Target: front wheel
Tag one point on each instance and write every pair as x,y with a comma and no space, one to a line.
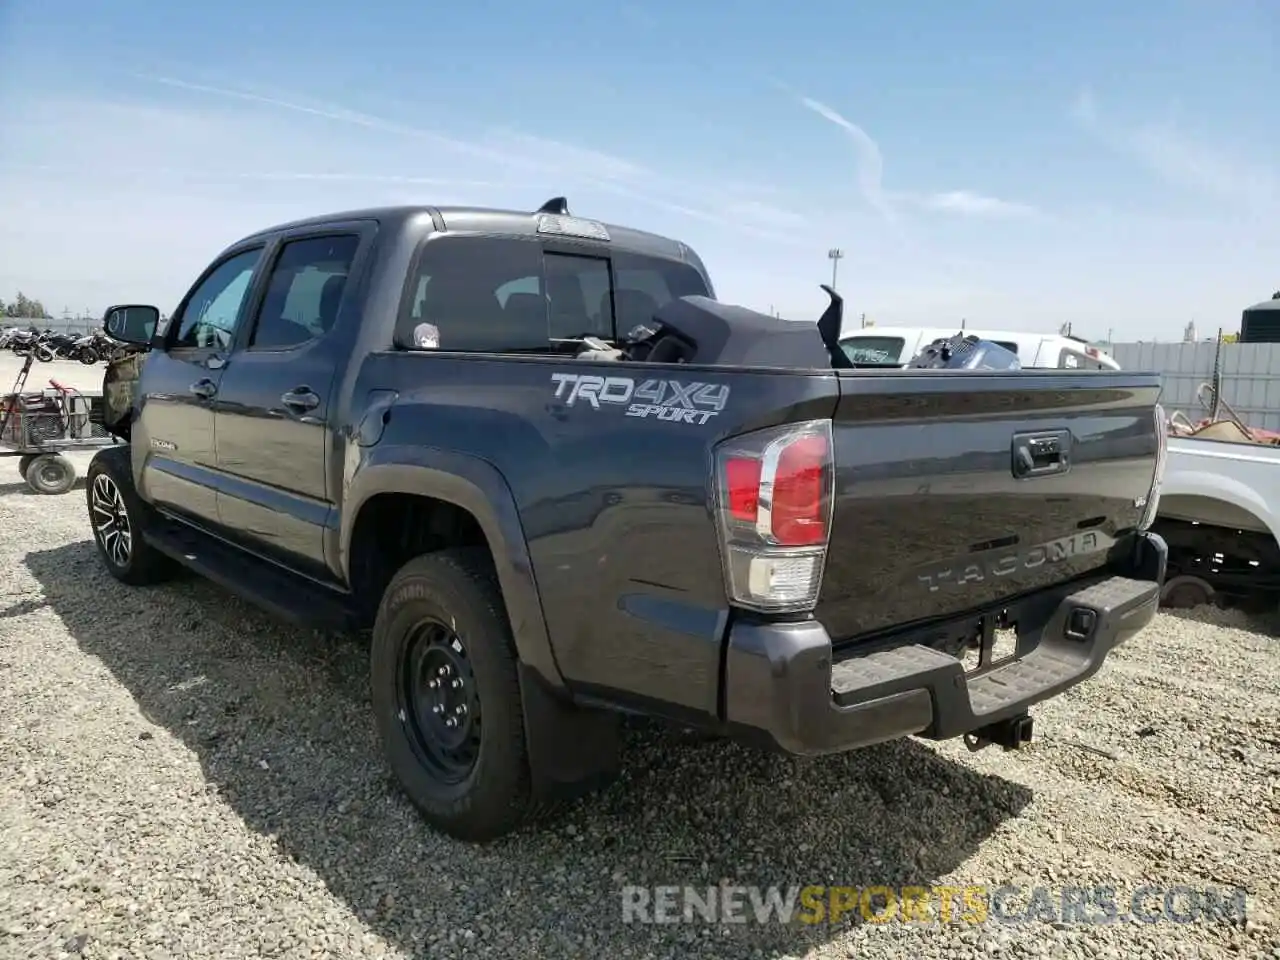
116,516
447,698
44,354
88,356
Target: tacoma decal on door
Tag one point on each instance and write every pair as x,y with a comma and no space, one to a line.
671,400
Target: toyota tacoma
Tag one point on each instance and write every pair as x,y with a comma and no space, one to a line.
554,480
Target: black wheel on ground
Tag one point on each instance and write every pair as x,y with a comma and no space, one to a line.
117,516
50,473
447,697
25,461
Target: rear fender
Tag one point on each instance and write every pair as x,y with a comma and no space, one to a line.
477,487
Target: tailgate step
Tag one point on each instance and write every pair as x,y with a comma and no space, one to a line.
1061,656
888,671
1042,671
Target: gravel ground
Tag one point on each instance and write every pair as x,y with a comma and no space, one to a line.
180,776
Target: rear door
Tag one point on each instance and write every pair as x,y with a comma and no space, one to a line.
180,383
272,415
935,510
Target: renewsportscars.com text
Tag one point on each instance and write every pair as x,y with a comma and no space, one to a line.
927,905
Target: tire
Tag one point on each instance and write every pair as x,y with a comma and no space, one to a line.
44,354
88,356
24,462
435,604
50,474
115,508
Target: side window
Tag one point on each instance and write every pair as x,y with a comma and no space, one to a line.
213,311
1007,344
304,292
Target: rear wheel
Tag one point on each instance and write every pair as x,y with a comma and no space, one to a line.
117,516
447,697
49,473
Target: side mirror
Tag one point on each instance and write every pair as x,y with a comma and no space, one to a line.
131,323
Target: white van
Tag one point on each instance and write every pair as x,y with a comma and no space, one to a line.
900,344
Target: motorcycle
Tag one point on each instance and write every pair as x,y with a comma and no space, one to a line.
29,341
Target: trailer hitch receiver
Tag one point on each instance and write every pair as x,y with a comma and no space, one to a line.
1010,734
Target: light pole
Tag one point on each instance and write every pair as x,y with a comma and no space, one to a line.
834,255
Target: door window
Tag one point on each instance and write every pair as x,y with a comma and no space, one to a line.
305,291
213,310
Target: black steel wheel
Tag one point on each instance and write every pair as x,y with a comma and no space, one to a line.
440,701
446,695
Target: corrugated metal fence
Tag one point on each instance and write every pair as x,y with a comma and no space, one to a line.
1250,376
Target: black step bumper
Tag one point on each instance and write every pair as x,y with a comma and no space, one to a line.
784,686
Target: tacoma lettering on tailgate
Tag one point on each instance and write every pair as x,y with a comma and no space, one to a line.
978,569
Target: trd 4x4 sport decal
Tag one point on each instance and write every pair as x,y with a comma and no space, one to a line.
672,400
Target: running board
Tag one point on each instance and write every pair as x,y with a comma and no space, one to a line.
284,595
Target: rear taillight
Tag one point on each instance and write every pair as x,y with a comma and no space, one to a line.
773,498
1152,506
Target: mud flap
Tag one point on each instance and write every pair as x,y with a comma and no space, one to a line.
572,750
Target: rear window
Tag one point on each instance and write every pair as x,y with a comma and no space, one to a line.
508,295
873,349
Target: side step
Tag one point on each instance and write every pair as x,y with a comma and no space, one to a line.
285,595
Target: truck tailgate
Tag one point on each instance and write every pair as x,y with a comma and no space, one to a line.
955,490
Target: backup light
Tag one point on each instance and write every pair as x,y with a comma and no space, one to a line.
774,503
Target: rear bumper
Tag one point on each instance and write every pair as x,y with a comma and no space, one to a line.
783,685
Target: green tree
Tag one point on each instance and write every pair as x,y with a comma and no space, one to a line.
23,307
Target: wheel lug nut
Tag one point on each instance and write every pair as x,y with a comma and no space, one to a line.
444,671
451,722
462,708
456,684
437,709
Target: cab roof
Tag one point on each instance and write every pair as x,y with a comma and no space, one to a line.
516,223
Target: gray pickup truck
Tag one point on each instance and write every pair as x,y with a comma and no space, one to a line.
559,481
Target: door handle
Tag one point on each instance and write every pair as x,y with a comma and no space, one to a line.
204,389
300,399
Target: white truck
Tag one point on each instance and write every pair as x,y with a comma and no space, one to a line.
899,345
1219,513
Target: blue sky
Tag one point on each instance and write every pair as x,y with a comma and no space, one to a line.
1015,164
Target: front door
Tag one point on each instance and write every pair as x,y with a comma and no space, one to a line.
275,400
179,384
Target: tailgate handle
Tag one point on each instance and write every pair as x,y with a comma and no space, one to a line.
1041,454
